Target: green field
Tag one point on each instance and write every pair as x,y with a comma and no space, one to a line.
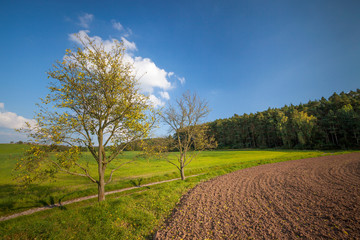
133,214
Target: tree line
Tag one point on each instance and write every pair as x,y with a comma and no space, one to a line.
332,123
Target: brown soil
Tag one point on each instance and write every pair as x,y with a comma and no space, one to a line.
315,198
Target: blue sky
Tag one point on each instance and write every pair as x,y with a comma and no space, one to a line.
242,56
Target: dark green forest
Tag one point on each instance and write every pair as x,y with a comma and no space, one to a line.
332,123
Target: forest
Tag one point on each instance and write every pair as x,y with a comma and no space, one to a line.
332,123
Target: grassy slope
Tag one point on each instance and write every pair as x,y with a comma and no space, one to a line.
122,216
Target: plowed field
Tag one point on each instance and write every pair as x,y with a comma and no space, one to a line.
315,198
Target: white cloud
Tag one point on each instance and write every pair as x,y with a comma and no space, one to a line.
12,120
165,95
117,25
151,77
130,46
128,32
108,44
156,101
82,34
85,20
2,105
182,80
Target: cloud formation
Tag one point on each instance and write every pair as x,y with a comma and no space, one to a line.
156,101
153,80
130,46
117,25
165,95
182,80
150,76
12,120
85,20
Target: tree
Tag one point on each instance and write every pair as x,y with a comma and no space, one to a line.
190,136
94,102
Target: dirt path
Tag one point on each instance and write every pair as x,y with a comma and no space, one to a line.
39,209
316,198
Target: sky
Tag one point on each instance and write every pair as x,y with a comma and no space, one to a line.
241,56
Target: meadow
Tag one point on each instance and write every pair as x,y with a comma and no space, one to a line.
134,214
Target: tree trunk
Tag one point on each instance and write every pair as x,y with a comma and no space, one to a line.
182,173
101,169
336,138
356,137
101,190
101,184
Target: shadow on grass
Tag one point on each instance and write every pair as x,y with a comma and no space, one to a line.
51,203
13,198
136,182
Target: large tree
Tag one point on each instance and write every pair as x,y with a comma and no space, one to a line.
94,101
189,133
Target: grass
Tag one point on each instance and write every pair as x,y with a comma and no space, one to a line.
12,148
127,215
122,216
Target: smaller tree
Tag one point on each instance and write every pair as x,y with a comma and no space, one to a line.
189,134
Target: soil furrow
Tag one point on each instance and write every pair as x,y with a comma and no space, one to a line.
317,198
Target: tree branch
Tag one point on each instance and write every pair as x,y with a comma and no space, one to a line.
72,173
86,172
112,171
173,164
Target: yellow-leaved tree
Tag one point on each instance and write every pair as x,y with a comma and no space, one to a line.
94,102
